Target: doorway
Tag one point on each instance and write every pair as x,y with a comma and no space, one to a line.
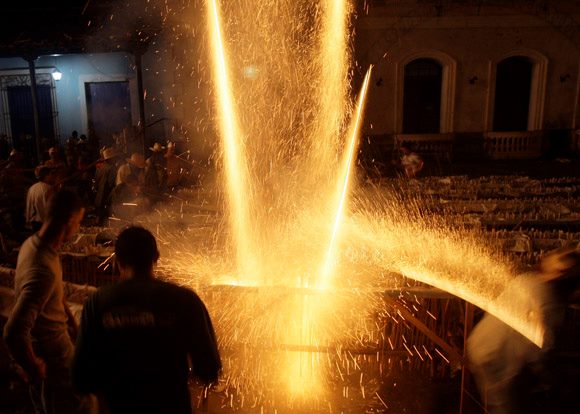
422,97
108,110
22,118
512,94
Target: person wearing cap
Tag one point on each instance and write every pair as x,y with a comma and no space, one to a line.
157,157
155,177
105,178
158,154
127,200
141,339
176,166
135,165
512,372
37,197
157,149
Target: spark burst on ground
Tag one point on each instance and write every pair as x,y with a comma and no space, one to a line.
381,239
281,76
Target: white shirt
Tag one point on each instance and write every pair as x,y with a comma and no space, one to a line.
122,173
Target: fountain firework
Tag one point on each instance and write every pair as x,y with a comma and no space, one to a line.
294,274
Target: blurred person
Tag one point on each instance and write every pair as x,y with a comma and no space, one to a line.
15,179
151,183
135,165
157,157
101,158
155,178
511,372
54,159
411,162
84,151
176,166
71,149
127,201
38,196
70,164
140,338
37,331
105,177
15,160
85,171
74,137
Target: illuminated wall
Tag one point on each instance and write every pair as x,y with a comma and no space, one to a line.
70,90
475,39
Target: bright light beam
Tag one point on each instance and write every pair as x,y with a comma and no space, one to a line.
236,170
344,181
333,64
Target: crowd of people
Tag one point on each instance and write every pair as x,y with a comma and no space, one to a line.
140,318
110,182
138,340
141,338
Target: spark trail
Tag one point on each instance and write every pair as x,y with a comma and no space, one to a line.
343,183
237,180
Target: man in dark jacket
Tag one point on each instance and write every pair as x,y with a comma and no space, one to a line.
138,336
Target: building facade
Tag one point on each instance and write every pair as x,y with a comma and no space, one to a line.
455,77
465,71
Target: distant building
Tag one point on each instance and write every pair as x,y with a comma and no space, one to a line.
457,78
96,93
494,77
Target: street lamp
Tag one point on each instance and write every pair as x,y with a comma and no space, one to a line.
56,75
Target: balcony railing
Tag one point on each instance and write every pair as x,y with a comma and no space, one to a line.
438,146
513,145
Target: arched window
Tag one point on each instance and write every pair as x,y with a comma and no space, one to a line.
512,94
422,97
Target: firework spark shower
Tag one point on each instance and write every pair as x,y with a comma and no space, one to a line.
294,264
